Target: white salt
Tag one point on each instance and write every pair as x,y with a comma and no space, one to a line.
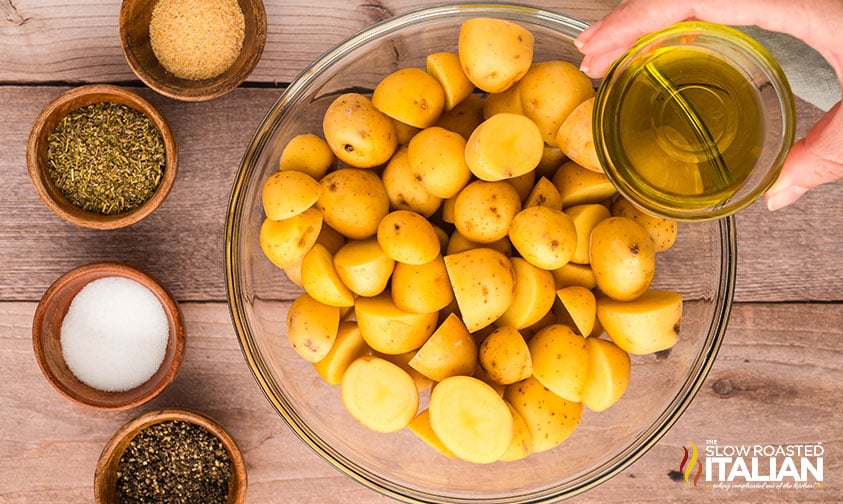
115,334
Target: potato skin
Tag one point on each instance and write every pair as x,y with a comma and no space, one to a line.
358,133
353,202
483,211
494,53
410,95
623,258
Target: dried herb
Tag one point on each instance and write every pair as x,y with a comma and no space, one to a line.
106,158
174,462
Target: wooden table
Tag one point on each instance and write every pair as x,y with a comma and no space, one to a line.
777,379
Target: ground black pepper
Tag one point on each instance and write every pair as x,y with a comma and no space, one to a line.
175,462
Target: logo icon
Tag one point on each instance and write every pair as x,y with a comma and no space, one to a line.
690,461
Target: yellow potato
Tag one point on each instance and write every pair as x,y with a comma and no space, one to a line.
408,237
308,153
293,273
447,213
320,279
285,242
585,216
578,185
663,231
508,101
348,346
623,258
363,267
544,193
608,374
462,119
353,202
420,426
312,327
574,274
422,288
330,238
560,360
522,440
505,356
576,139
581,306
404,191
405,132
545,237
483,211
550,91
390,330
494,53
504,146
523,184
288,193
379,394
459,243
647,324
450,351
470,419
535,291
358,133
550,418
552,159
410,95
402,360
446,68
437,161
484,285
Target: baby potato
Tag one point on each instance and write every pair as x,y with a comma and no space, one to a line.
552,159
550,90
579,185
404,191
545,237
544,193
353,202
663,231
307,153
358,133
420,426
623,258
446,68
534,295
550,418
647,324
581,305
522,440
402,360
320,279
506,101
524,184
494,53
504,146
410,95
288,193
312,327
422,288
484,285
408,237
505,356
483,211
576,139
363,266
560,360
585,217
390,330
450,351
437,161
608,374
464,117
348,346
574,274
379,394
405,132
459,243
285,242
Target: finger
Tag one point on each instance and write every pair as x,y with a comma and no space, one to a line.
595,65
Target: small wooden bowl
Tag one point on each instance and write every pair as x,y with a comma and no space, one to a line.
37,147
46,338
134,38
105,475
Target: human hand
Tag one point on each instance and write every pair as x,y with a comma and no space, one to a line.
814,160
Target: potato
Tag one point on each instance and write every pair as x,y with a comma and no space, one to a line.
330,238
550,418
450,351
312,327
408,237
574,274
470,419
483,211
663,231
405,132
506,101
545,237
348,346
288,193
410,95
353,202
581,305
576,139
358,133
484,285
389,330
320,279
585,217
623,258
285,242
523,184
552,159
560,360
420,426
550,91
307,153
494,53
647,324
504,146
544,193
437,161
422,288
446,68
459,243
608,374
534,295
505,357
404,191
379,394
402,360
522,440
363,267
462,119
578,185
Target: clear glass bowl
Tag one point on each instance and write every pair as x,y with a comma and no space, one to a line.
701,266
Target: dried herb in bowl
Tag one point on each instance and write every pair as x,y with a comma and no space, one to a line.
106,158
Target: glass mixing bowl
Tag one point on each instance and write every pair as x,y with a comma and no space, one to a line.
701,265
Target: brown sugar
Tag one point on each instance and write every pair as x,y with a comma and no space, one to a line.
197,39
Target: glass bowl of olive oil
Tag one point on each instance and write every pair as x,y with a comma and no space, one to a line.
694,122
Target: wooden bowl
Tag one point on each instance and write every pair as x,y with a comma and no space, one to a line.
134,38
37,146
105,475
46,342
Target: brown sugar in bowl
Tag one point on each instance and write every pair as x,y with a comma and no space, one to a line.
135,16
46,338
38,145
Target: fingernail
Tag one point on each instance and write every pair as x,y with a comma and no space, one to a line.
579,44
784,197
585,68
